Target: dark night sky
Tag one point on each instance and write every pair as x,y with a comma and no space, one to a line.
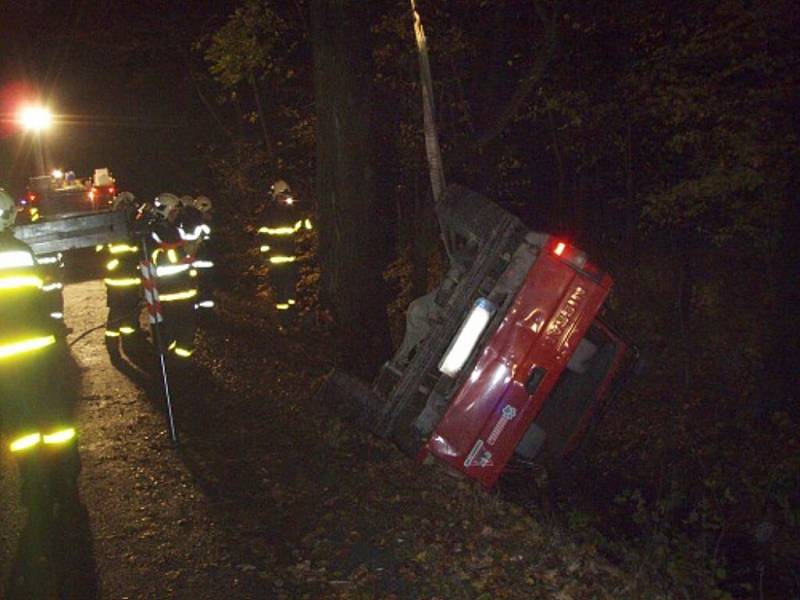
116,73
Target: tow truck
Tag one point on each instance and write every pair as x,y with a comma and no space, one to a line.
61,194
510,356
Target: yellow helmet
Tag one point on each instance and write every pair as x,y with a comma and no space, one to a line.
282,193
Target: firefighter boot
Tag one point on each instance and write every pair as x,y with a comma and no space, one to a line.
63,470
284,280
134,343
112,346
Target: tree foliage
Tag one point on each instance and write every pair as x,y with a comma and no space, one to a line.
247,44
709,94
661,138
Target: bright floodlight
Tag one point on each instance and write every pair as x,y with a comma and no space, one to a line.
35,118
57,173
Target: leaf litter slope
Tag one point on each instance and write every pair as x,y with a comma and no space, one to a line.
272,495
338,513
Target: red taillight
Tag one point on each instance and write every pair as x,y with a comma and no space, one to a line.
111,190
569,254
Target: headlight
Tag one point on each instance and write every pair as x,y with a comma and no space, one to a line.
467,336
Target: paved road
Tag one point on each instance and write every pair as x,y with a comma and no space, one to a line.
149,530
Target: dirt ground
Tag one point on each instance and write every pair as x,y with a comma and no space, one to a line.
270,494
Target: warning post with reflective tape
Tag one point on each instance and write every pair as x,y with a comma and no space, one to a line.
148,271
156,318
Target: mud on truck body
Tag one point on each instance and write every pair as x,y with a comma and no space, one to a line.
508,355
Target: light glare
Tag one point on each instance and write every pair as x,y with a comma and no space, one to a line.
35,118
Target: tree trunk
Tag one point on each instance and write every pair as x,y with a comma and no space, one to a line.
783,354
352,236
268,147
685,251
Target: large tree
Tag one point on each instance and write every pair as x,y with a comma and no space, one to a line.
352,234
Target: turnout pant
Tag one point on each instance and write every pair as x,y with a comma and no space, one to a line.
35,418
179,327
284,282
123,311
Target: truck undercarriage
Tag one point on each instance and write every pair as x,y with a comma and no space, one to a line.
506,356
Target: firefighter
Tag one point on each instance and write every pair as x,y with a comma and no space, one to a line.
176,280
284,223
122,286
193,231
191,226
202,252
34,415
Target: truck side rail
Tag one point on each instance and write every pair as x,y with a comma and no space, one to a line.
83,230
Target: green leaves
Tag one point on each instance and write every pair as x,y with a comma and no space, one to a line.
246,44
715,143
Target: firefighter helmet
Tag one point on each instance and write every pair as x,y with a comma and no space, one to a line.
8,210
124,201
203,204
282,193
187,200
165,203
280,187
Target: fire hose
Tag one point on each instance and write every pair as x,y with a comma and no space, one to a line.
83,334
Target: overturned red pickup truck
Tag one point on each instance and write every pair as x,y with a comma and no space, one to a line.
507,356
